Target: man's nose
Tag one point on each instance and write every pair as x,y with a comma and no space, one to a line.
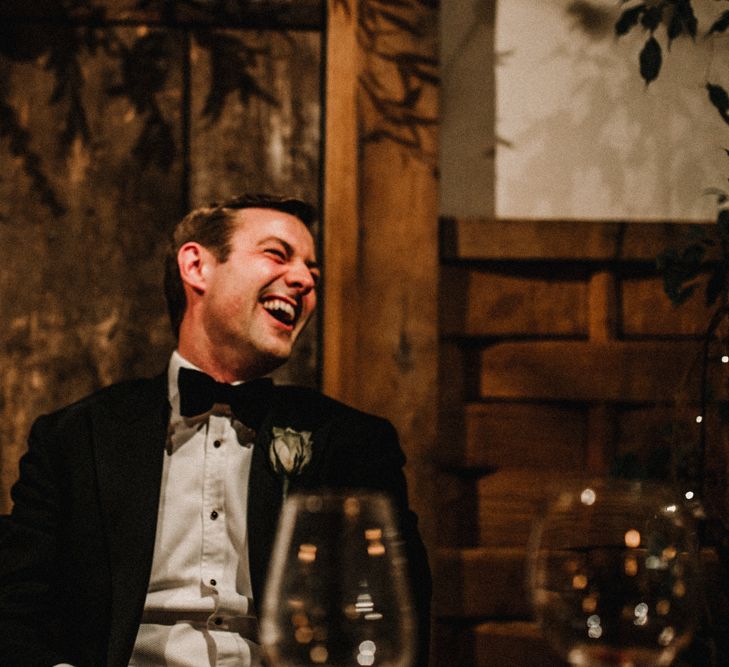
299,276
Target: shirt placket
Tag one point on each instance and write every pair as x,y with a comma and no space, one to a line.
213,503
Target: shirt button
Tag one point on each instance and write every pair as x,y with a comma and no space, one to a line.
213,515
217,444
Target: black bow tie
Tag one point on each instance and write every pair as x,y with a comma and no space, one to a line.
249,401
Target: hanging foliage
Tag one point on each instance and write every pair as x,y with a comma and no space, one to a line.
58,34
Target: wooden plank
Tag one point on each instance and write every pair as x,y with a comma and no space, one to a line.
520,435
506,641
341,202
578,240
627,371
481,302
380,323
302,14
509,502
495,643
80,293
647,311
514,643
458,510
480,582
492,582
652,439
603,307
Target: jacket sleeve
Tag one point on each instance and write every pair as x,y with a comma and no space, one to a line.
369,456
28,552
418,568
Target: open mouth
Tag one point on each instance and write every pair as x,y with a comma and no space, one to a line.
283,311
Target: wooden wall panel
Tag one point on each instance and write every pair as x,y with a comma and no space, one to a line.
509,503
271,13
494,644
648,312
584,371
583,367
482,582
563,240
524,435
477,302
81,294
513,643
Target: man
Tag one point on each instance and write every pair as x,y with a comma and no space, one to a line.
144,515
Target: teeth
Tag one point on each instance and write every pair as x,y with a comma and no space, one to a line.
277,304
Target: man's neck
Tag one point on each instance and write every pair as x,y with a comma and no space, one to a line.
218,363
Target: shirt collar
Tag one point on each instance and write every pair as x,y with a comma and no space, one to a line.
177,361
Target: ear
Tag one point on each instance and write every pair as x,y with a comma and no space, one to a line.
194,262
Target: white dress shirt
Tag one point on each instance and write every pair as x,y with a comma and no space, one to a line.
199,608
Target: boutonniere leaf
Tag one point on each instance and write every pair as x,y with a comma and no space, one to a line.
289,452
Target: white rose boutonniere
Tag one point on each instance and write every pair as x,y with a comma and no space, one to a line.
289,452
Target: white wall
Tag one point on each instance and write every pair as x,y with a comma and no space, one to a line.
544,115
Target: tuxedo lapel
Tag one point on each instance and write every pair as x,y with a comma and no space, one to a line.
265,487
129,438
265,495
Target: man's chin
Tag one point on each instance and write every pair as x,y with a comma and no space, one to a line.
275,355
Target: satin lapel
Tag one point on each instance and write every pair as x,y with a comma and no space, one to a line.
129,439
265,488
265,493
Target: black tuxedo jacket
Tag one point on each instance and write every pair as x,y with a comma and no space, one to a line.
76,552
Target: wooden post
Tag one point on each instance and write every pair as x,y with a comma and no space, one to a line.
603,327
380,223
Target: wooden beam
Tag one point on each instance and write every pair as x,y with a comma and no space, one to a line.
269,15
614,371
482,302
522,435
647,311
582,240
381,223
481,582
509,503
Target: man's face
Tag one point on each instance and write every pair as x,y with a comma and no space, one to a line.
260,299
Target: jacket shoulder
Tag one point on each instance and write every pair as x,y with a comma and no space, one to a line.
117,397
321,407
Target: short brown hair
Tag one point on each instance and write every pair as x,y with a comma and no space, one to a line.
212,227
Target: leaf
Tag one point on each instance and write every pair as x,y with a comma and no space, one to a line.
652,17
719,98
650,60
716,284
399,22
691,258
722,221
721,24
628,19
721,196
679,269
683,295
145,69
156,144
686,13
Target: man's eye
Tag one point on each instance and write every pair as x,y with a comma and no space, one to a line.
275,252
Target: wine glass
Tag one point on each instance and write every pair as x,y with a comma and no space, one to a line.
613,574
337,590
